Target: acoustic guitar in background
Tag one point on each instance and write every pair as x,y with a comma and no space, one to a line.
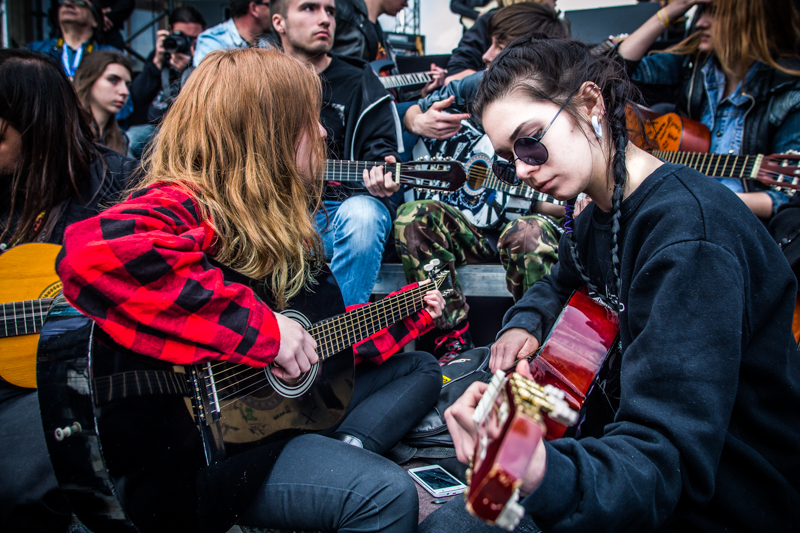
29,285
681,140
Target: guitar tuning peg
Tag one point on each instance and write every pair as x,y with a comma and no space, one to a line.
432,264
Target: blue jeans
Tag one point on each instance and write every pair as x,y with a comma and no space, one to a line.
354,238
322,484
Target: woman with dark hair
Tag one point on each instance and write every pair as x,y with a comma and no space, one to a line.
51,175
738,73
693,424
102,83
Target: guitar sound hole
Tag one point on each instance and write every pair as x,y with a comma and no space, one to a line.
477,176
294,387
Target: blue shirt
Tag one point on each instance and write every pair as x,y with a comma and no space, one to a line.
55,46
724,117
223,36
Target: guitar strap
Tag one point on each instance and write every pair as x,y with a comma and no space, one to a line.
52,219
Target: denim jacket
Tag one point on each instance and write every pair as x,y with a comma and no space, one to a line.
761,117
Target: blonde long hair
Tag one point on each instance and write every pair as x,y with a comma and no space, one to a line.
231,139
746,31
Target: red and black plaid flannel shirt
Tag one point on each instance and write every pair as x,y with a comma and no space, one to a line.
141,270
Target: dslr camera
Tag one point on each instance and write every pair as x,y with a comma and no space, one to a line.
178,42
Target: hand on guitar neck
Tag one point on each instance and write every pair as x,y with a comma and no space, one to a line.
297,351
380,184
437,75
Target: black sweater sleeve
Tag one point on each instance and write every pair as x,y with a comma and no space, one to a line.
469,52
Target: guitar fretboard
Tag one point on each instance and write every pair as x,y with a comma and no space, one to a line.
337,333
403,80
23,318
353,171
716,165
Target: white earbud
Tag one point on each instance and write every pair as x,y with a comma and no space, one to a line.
598,130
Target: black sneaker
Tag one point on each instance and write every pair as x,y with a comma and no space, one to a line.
448,346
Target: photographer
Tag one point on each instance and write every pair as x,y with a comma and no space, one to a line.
185,24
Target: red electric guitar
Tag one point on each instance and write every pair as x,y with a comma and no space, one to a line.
510,414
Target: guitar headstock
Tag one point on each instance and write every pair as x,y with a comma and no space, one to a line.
440,277
510,423
434,174
781,171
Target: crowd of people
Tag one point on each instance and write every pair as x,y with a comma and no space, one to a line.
211,158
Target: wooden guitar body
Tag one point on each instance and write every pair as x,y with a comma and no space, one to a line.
684,141
29,282
510,414
573,353
669,132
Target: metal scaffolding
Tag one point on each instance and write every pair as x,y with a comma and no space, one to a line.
5,39
407,21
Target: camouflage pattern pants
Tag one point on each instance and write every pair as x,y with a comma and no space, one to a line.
428,229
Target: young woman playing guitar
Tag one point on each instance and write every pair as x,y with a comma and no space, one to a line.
694,423
738,73
231,181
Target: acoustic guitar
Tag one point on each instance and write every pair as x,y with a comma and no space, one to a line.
681,140
29,284
433,174
510,414
131,437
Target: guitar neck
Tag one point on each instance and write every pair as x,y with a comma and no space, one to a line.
339,332
404,80
483,177
23,318
716,165
353,171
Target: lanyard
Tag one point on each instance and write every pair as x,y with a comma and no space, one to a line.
75,62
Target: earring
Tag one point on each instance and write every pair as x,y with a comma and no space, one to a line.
598,130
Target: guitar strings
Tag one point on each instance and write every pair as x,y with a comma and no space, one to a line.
376,310
372,312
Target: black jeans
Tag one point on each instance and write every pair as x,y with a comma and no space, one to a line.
30,499
323,484
453,516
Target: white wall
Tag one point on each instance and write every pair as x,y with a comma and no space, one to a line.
443,31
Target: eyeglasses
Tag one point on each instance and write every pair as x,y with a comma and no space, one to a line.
76,3
529,150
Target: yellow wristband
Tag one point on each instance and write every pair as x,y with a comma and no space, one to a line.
663,17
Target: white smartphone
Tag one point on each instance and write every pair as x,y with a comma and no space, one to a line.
436,480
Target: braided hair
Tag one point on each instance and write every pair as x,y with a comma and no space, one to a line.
552,70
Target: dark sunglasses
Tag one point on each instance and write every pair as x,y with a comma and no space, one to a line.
529,150
76,3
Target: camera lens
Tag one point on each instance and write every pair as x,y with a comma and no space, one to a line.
177,43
